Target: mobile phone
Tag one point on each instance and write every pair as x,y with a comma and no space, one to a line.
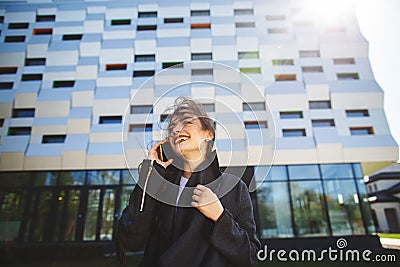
165,152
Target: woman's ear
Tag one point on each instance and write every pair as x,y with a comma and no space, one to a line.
210,136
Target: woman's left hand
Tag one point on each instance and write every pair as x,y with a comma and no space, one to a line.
207,202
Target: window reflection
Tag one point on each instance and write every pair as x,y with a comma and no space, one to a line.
103,177
274,210
365,207
130,177
343,207
91,214
267,173
11,208
308,208
303,172
336,171
107,215
72,178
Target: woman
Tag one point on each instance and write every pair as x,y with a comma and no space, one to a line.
191,214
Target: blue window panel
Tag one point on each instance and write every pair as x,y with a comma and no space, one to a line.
357,170
54,139
270,173
308,171
106,177
341,171
110,119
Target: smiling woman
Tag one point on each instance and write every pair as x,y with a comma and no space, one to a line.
194,215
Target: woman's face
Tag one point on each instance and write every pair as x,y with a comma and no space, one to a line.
187,137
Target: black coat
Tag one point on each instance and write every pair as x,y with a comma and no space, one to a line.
183,236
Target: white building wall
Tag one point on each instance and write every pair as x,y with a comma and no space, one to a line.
75,111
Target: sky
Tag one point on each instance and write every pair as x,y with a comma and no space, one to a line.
379,22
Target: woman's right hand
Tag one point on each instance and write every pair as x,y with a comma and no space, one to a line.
153,154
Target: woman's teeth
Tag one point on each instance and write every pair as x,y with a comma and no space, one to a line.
181,139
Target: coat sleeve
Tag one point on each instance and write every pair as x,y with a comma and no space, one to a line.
140,221
235,237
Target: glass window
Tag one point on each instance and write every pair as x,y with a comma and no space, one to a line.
209,107
107,218
146,27
277,30
273,173
243,12
117,22
361,130
250,70
274,210
147,14
105,177
23,112
336,171
201,56
92,213
15,179
254,106
255,125
45,178
293,132
145,58
45,18
142,109
248,55
357,170
343,207
195,13
312,69
297,172
53,139
8,70
71,214
12,204
348,76
285,77
175,65
72,178
19,130
72,37
110,119
126,192
245,24
291,114
343,61
143,73
365,207
130,176
140,128
356,113
63,84
282,62
323,123
173,20
309,53
308,208
320,104
35,61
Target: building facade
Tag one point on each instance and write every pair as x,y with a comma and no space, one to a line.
82,81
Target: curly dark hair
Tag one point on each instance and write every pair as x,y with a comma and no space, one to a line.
184,105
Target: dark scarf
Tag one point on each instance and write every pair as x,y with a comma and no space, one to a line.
184,228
